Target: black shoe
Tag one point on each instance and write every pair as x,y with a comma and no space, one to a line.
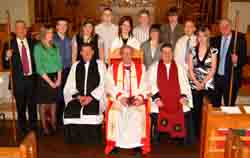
138,154
114,152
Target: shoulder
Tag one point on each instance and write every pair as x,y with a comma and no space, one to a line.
146,43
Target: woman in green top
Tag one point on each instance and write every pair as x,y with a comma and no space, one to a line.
49,66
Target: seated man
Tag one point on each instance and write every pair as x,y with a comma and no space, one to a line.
172,95
127,122
82,93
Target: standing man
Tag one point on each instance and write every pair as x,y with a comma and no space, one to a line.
64,44
226,59
20,55
141,32
172,31
107,31
185,43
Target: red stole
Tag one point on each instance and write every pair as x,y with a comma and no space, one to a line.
171,116
138,68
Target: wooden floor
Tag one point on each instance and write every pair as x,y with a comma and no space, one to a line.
54,147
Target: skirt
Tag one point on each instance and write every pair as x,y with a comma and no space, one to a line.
45,93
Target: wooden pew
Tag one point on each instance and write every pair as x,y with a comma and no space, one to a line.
214,119
27,149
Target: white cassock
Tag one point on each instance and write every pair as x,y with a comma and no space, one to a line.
70,89
182,48
118,43
126,126
183,82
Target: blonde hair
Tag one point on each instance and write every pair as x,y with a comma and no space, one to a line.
43,31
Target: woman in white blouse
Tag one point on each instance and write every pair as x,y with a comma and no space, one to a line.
125,35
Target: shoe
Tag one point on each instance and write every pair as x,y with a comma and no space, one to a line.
114,152
138,154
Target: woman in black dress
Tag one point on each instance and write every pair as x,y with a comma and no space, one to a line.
87,35
202,66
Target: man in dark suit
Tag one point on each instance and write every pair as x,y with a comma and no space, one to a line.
226,59
172,31
20,53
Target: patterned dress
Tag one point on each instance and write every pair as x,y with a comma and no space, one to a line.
201,67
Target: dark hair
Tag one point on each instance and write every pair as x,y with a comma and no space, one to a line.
173,11
202,28
154,28
85,22
121,21
87,45
61,19
107,9
144,11
166,45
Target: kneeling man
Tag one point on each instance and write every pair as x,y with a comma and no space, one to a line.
82,93
127,113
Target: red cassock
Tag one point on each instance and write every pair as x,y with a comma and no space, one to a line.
171,115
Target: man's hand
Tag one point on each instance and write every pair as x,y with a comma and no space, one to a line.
159,103
9,53
85,100
234,58
183,101
124,101
138,102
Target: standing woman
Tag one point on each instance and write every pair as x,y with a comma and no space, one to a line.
125,35
87,35
152,47
202,66
49,68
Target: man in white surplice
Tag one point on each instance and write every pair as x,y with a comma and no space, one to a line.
82,93
127,121
171,96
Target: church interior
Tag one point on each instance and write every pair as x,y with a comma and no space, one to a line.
225,133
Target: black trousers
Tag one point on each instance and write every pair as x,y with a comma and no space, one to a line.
26,99
60,99
189,125
223,91
198,104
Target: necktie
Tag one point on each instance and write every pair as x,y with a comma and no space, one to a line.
187,50
24,58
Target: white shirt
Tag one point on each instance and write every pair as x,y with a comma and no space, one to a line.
183,82
168,69
180,49
141,34
118,43
86,77
25,42
107,32
153,51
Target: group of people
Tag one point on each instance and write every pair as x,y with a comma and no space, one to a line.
72,79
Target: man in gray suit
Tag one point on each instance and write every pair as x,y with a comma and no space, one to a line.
151,48
172,31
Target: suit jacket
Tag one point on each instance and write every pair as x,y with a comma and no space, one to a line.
17,70
176,34
147,55
241,52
